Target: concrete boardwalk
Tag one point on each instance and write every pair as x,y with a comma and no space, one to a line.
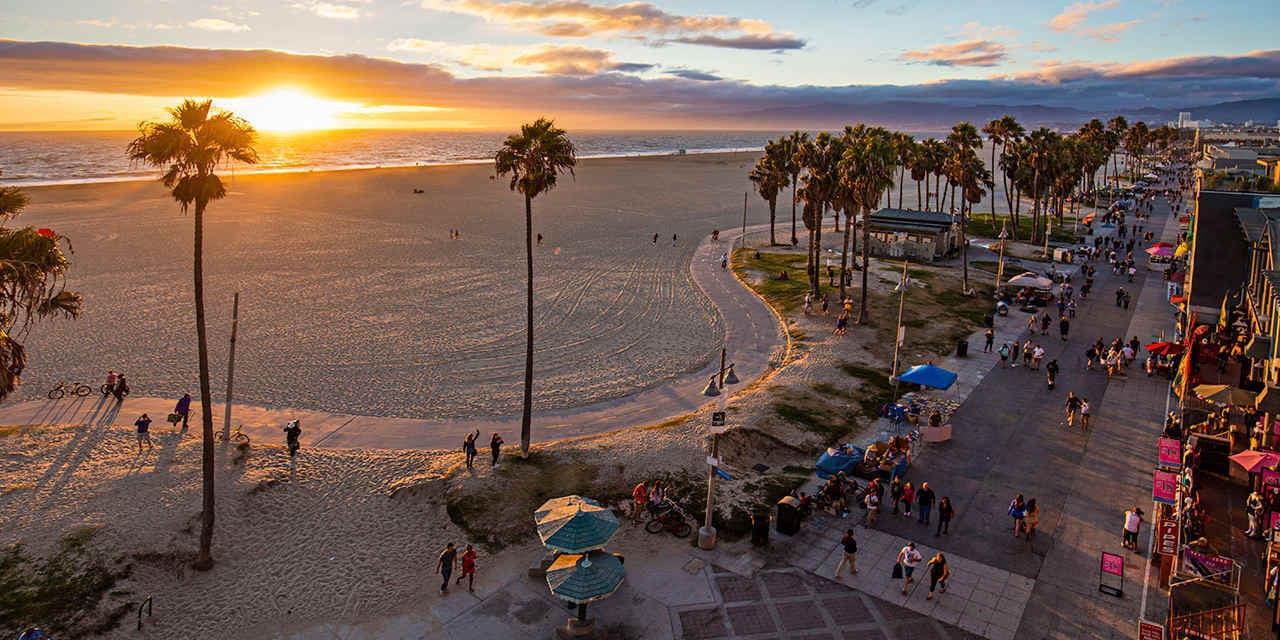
754,337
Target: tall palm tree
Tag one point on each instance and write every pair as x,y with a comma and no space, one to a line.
191,146
1115,128
1002,131
975,180
792,150
534,158
819,158
904,146
769,179
1136,140
866,169
32,285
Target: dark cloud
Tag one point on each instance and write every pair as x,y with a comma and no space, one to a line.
761,42
694,74
614,96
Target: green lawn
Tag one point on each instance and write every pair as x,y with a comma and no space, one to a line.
785,295
980,226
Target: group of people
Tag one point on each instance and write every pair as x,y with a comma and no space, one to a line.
1031,353
469,448
646,498
1116,356
1026,516
117,385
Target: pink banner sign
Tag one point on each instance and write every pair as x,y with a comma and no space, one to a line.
1170,453
1214,567
1112,564
1270,482
1164,487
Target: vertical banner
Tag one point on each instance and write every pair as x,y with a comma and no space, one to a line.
1167,537
1170,453
1164,487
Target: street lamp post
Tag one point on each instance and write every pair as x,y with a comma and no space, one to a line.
1004,239
715,388
899,336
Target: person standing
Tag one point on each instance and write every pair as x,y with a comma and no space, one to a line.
469,447
1085,413
183,408
1017,511
1031,519
639,496
908,497
990,337
291,433
945,513
924,499
121,389
1064,327
111,381
909,559
826,302
468,568
872,502
1132,523
1004,355
895,493
495,449
444,566
808,302
1253,507
1073,406
724,261
143,423
1051,373
849,547
939,571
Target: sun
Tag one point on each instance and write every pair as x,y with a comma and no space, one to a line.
290,110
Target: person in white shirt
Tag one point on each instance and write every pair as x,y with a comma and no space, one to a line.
1132,522
909,559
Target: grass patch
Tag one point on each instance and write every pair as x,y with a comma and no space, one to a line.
812,419
62,593
761,274
921,274
829,389
981,226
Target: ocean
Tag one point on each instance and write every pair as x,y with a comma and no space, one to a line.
46,158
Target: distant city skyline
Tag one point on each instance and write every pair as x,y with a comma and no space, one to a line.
316,64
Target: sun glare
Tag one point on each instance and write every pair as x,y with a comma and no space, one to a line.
290,110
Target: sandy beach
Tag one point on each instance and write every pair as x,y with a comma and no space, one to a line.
354,299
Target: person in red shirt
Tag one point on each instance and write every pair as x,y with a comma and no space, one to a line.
468,568
639,496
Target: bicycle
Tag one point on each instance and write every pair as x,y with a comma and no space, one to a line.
69,389
235,437
669,517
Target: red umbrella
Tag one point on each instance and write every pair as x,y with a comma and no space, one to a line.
1166,348
1177,299
1162,244
1254,461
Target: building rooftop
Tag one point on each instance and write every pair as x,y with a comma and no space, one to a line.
930,220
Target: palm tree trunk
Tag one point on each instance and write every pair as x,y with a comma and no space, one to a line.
795,188
817,248
902,178
844,256
204,561
866,264
526,415
919,198
773,216
964,249
993,195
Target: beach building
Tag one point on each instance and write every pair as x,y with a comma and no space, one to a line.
1220,252
1230,158
922,236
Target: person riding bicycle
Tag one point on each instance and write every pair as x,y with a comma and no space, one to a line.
291,433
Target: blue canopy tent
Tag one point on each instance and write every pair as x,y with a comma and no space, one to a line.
927,375
834,461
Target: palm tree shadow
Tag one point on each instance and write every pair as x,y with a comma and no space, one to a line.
168,450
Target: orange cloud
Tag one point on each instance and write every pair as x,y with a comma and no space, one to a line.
580,19
970,53
1074,15
1108,32
575,61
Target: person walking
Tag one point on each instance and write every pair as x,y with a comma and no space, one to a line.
808,302
291,433
468,568
1004,355
1073,406
1085,412
895,493
1051,373
1037,356
183,408
945,513
469,447
1014,350
639,497
990,337
1132,523
444,566
908,496
924,499
1028,352
849,547
826,303
121,389
495,449
939,571
908,559
1031,519
143,423
1017,511
872,502
1064,327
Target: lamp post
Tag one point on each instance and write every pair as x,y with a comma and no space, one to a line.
899,336
715,389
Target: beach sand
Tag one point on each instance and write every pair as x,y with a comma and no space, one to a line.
354,299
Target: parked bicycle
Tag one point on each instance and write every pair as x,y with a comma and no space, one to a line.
235,437
69,389
668,516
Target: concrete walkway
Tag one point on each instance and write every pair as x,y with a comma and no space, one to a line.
754,337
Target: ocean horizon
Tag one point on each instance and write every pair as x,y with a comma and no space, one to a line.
30,159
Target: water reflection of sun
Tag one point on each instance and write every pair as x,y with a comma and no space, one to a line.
289,110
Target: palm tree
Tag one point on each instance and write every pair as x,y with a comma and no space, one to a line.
535,158
32,285
1115,128
819,158
866,170
1136,140
904,146
769,179
1002,131
975,179
792,149
190,146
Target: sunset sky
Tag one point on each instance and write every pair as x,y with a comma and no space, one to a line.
592,63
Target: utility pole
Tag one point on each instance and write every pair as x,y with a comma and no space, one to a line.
231,367
1004,239
900,335
707,533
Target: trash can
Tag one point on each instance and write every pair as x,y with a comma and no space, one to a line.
962,349
788,520
760,528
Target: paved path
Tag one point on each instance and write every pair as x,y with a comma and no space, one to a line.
754,337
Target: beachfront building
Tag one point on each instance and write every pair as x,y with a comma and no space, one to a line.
920,236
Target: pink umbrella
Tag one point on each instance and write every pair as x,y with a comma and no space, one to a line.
1254,461
1163,252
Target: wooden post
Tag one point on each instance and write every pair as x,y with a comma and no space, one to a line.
231,367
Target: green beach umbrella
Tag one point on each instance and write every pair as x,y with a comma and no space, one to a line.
573,524
583,578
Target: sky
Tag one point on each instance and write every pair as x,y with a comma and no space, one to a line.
107,64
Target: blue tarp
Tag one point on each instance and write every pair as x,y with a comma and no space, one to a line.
834,461
929,376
